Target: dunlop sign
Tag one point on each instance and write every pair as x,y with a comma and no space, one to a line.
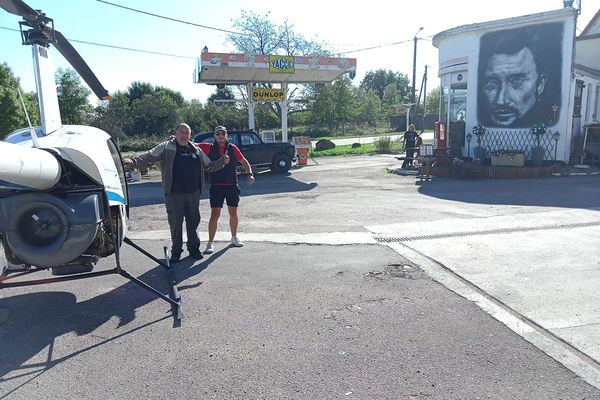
263,94
282,64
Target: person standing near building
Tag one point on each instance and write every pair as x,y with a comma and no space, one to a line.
410,144
224,185
182,168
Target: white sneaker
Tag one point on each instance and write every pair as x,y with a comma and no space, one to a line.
209,248
235,242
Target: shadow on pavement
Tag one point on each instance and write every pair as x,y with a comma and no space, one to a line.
571,192
151,192
30,323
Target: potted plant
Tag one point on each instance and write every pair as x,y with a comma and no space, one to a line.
537,153
479,152
508,158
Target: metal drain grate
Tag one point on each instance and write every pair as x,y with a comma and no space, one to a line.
388,239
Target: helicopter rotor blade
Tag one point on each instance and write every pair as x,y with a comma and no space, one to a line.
18,7
72,56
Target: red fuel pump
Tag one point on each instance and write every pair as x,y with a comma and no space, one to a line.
440,138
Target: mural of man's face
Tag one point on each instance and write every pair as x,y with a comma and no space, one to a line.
511,86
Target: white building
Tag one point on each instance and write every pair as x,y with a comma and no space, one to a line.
510,74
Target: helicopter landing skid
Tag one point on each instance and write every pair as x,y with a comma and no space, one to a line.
173,298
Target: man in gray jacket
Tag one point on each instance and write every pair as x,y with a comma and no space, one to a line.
182,167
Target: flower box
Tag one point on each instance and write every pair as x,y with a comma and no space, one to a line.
508,160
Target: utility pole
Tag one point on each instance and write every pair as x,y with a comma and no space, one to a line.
424,99
414,77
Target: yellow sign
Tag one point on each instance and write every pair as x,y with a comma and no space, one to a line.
282,64
264,94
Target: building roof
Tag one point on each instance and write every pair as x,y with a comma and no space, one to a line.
502,23
594,22
588,70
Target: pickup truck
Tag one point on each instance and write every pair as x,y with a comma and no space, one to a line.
276,156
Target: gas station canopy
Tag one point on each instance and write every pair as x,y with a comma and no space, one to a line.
222,68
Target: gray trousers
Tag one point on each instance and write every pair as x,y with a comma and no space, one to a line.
180,206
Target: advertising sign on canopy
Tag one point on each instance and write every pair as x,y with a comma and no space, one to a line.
265,94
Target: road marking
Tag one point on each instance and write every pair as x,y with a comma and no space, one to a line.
328,238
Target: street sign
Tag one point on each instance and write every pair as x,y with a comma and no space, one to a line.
265,94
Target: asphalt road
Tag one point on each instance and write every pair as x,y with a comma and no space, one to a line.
314,306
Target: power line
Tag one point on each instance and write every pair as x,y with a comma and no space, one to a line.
172,19
374,47
384,45
117,47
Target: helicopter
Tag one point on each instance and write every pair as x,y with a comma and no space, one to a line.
63,188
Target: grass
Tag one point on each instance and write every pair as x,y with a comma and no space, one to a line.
383,147
345,150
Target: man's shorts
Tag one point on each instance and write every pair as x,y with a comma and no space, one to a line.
218,194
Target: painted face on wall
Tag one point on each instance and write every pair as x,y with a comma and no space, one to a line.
511,86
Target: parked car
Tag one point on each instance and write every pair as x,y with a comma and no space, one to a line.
276,156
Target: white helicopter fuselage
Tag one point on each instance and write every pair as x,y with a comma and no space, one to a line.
77,172
25,167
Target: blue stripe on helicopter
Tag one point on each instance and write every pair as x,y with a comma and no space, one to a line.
115,197
10,185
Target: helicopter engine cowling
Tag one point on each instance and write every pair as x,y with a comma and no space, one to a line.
27,168
47,230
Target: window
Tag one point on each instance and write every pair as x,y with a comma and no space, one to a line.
114,152
579,85
444,104
249,139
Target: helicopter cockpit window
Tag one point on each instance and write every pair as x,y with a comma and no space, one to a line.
23,134
114,152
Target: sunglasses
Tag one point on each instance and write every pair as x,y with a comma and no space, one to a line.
220,133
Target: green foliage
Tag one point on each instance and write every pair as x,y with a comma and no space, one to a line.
265,118
345,150
386,144
140,143
113,116
371,109
433,101
12,116
193,114
224,114
154,114
379,81
75,108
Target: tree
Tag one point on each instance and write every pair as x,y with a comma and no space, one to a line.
139,89
336,104
12,116
379,80
114,116
433,101
73,101
371,109
260,35
391,98
154,114
192,113
293,43
225,114
154,110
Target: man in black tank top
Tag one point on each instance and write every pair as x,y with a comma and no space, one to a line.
224,185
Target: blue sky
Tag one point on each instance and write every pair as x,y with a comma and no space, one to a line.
343,25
